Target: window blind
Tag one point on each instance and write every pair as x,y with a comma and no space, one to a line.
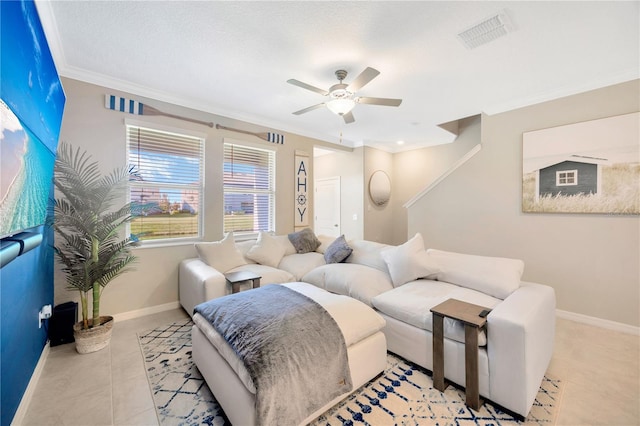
169,193
249,189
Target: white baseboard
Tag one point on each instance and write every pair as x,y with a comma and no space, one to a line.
123,316
21,412
599,322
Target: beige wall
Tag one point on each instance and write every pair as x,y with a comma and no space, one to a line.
378,220
592,261
349,166
89,125
415,170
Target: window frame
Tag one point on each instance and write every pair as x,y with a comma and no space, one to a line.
272,152
181,132
573,178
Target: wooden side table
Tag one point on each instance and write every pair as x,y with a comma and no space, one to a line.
235,278
469,314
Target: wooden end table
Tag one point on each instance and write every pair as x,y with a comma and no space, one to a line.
235,278
469,314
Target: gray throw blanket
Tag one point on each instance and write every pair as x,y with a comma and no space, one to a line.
291,346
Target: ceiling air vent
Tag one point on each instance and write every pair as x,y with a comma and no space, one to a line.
486,31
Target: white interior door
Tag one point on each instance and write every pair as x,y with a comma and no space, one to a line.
326,206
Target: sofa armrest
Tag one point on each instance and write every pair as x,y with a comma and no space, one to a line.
199,282
520,337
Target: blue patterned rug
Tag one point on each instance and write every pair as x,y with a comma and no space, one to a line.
402,395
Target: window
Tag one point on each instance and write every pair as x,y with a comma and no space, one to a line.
170,189
249,189
567,178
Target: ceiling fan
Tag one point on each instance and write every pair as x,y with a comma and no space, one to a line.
342,97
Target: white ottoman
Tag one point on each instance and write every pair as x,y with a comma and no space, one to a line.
230,382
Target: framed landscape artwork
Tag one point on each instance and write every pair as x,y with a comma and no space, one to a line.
31,106
588,167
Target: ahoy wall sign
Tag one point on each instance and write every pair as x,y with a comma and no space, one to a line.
301,189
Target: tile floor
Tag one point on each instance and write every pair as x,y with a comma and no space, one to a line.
600,369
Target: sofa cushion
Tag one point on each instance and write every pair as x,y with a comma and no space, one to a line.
267,250
409,261
299,264
356,320
496,276
268,274
368,253
221,255
358,281
338,251
412,303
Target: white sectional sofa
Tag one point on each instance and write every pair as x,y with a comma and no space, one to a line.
403,283
199,282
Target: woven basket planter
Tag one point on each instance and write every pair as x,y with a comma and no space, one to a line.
95,338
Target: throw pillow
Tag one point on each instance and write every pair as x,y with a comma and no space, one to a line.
244,246
325,242
409,262
338,251
283,240
222,255
267,250
368,253
304,241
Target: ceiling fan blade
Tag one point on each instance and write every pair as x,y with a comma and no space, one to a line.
379,101
307,86
365,77
307,109
348,117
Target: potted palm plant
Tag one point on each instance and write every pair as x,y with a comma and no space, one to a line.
89,236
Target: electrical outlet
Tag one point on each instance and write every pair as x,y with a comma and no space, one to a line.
45,313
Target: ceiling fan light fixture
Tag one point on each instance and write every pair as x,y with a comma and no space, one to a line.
341,106
342,97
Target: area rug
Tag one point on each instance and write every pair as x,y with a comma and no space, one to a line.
402,395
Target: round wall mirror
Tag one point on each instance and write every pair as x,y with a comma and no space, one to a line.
380,187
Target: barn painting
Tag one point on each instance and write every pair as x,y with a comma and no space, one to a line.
570,177
589,167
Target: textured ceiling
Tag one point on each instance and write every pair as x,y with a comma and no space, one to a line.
234,58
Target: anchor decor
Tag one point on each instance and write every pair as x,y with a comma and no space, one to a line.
301,203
